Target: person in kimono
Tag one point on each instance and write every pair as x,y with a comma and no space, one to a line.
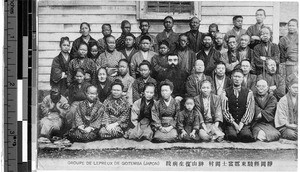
85,37
111,57
194,35
275,81
127,80
83,62
194,80
249,79
139,84
230,57
288,46
129,49
188,122
168,34
116,120
126,28
53,111
59,67
265,105
209,55
187,57
212,30
237,29
286,116
143,54
219,80
88,117
141,116
144,27
159,62
164,114
254,30
245,53
94,53
103,84
220,43
106,31
265,50
208,106
238,110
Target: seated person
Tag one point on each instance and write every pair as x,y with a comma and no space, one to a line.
286,116
141,116
265,106
230,57
164,114
188,122
103,84
53,108
159,62
220,80
246,53
116,120
220,43
249,79
208,106
88,117
144,27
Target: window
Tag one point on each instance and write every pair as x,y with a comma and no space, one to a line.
157,10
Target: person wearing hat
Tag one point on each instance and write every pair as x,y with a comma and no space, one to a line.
286,116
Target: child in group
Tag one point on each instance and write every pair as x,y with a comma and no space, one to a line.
144,27
160,61
188,122
106,31
94,53
130,49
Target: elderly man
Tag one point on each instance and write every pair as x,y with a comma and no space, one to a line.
220,80
220,44
194,35
230,57
275,80
265,106
244,52
249,79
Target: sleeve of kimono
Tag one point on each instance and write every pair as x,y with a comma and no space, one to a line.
218,111
135,111
191,87
70,72
249,31
56,70
281,115
100,61
280,90
130,94
177,110
135,92
198,112
229,66
250,106
257,61
192,61
157,67
124,117
78,114
155,115
45,106
180,121
196,124
225,110
282,49
269,111
275,54
63,111
133,65
97,121
74,49
155,44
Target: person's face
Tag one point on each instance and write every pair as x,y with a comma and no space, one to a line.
145,45
271,66
116,91
294,89
102,76
219,39
85,30
189,104
183,41
144,27
145,71
106,31
79,77
206,89
91,94
260,16
168,23
245,40
220,70
166,92
127,28
292,27
149,92
265,35
245,66
231,43
123,68
238,22
111,43
195,24
199,66
262,87
163,49
213,31
65,46
94,50
237,78
173,60
207,42
83,49
129,41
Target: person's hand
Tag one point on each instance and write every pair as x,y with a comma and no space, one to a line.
272,88
65,106
193,134
183,134
263,58
236,127
81,127
241,125
178,98
204,127
88,129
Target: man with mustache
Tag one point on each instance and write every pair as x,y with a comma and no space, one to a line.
194,35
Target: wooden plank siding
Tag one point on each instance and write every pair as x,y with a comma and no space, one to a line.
62,18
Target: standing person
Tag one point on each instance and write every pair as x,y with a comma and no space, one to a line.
194,35
249,79
168,34
59,67
238,110
220,80
220,43
160,62
265,106
126,28
85,37
212,30
144,27
254,30
103,84
110,58
164,114
288,46
237,29
106,31
129,49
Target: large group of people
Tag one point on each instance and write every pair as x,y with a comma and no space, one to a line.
189,87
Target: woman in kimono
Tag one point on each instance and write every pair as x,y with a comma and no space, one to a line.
59,67
164,114
103,84
141,115
116,120
85,37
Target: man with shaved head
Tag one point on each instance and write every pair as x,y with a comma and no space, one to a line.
265,105
220,44
194,35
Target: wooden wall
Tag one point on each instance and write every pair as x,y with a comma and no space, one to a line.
62,18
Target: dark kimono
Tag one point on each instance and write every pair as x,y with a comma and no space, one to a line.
278,81
194,82
76,44
188,121
159,64
265,105
165,116
88,66
120,42
218,89
250,82
138,87
172,39
59,65
195,40
209,60
89,116
105,90
187,58
254,30
129,57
